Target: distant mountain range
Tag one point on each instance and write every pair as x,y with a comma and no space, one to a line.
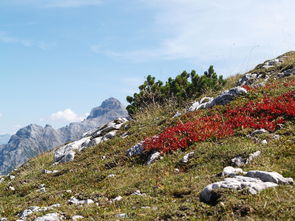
33,139
4,138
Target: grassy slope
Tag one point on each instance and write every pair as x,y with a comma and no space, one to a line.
171,194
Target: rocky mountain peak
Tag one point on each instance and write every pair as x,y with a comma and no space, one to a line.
110,104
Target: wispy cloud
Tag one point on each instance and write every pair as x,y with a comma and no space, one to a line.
67,115
222,31
8,39
54,3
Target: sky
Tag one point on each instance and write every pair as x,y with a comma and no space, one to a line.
61,58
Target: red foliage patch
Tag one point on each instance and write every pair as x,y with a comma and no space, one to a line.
267,114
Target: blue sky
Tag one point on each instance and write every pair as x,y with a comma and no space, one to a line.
60,58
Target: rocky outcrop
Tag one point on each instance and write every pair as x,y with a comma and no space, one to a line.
224,98
33,140
35,209
252,181
49,217
135,150
67,152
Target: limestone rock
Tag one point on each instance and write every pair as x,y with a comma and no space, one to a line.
49,217
77,217
224,98
236,183
186,157
153,157
135,150
76,201
260,131
231,171
118,198
241,161
122,215
67,152
273,177
34,209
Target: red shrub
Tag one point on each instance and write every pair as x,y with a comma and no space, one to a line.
266,114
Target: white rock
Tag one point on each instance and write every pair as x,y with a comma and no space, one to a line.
222,99
271,63
12,188
241,161
122,215
66,153
35,209
3,219
77,217
186,157
194,106
237,183
231,171
273,177
49,217
2,179
111,175
264,142
260,131
153,157
135,150
276,137
252,156
177,114
138,193
49,171
11,177
76,201
118,198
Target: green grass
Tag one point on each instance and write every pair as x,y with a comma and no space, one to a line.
172,190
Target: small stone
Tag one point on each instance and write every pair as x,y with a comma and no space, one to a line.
42,190
276,137
111,175
153,157
76,201
264,142
12,188
230,171
77,217
118,198
186,157
122,215
260,131
135,150
177,114
11,177
138,193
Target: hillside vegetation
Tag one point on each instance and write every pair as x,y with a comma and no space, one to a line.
125,188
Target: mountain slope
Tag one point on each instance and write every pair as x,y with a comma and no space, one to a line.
33,140
102,183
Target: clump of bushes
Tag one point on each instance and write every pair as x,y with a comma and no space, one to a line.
183,86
